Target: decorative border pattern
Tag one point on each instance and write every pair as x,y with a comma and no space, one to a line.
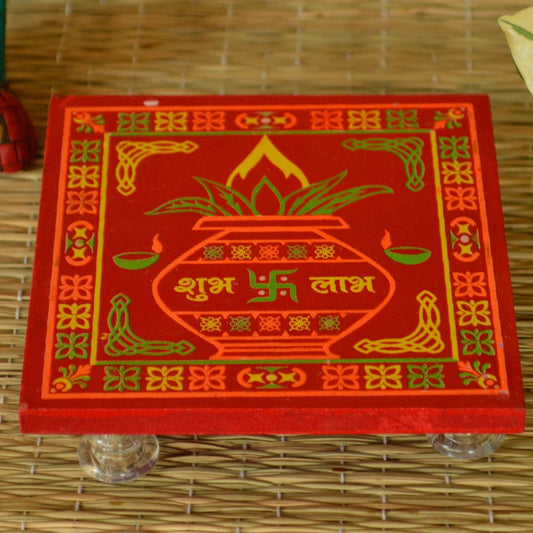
72,372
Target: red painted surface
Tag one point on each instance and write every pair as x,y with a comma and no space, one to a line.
271,265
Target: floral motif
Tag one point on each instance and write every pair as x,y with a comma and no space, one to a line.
477,372
210,323
133,122
73,375
364,119
240,323
469,284
271,377
401,118
164,378
89,124
121,378
296,251
477,342
83,176
425,376
340,377
74,316
171,121
460,198
213,252
209,121
241,252
264,120
80,242
324,251
326,120
472,313
329,323
82,202
269,323
383,377
76,287
207,378
85,151
300,323
457,172
454,148
451,119
72,346
269,252
464,238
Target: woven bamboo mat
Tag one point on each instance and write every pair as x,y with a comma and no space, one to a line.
271,483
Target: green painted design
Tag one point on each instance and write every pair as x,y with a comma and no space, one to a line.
213,252
401,118
72,346
85,151
329,323
121,378
454,148
478,373
80,242
273,377
88,123
425,376
451,119
409,150
135,260
314,199
476,342
277,284
71,376
297,251
408,255
258,192
240,323
133,122
122,341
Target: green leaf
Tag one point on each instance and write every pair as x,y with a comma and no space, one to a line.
190,204
265,182
231,199
518,29
304,200
337,201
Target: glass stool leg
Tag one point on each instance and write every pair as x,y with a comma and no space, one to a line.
117,458
466,445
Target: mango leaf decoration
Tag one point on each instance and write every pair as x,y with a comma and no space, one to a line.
315,199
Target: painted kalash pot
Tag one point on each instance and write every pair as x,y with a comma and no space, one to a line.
271,265
271,281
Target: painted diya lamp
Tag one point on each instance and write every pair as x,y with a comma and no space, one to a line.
406,255
139,260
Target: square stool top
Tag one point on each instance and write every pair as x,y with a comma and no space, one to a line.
271,264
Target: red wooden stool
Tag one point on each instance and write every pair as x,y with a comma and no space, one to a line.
270,265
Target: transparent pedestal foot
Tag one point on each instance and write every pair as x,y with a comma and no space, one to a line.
117,458
466,445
